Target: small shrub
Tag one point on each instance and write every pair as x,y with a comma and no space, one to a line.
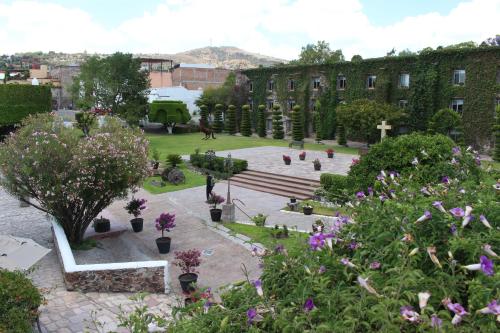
259,220
261,121
297,124
214,163
215,199
278,132
136,206
444,122
246,126
19,302
218,123
176,177
174,160
85,121
231,120
336,187
496,130
188,260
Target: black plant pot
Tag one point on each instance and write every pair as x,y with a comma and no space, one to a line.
293,200
137,224
163,244
288,162
216,214
302,157
102,225
156,165
330,155
307,210
317,167
188,280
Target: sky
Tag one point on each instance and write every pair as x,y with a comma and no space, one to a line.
276,28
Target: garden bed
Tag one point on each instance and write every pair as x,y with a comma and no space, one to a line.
318,208
193,179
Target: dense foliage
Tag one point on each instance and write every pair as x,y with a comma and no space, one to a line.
216,163
361,117
231,120
218,125
403,259
341,135
20,100
71,177
336,187
261,121
278,132
19,302
496,154
445,121
246,126
319,53
169,113
204,115
297,124
230,93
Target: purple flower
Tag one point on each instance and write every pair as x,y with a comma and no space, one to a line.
477,160
322,269
317,242
309,305
258,287
461,191
427,216
347,262
455,150
375,265
453,229
425,191
370,191
383,197
392,193
439,206
436,322
454,161
279,248
360,195
251,315
165,222
484,221
492,308
457,212
457,308
207,306
445,180
409,314
353,245
486,265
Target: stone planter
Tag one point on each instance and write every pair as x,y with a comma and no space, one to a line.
163,244
137,224
102,225
307,210
216,214
187,281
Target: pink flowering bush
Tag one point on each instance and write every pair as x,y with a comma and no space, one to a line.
165,222
70,177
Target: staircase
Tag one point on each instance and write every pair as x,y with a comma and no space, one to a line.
286,186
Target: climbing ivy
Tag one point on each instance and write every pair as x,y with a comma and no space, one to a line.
496,155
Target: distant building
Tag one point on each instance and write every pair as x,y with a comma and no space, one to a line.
61,92
177,94
196,76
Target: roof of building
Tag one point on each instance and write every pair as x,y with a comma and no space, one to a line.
182,65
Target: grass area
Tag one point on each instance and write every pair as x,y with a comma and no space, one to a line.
184,144
193,179
85,245
318,208
494,165
295,242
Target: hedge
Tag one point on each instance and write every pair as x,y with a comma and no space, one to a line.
199,160
336,186
169,112
19,100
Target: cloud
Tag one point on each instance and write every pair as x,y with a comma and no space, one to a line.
277,28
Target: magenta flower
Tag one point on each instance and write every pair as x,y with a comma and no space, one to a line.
165,222
355,161
455,150
360,195
258,287
409,314
370,191
375,265
486,265
427,216
492,308
353,245
317,241
251,315
383,197
457,212
457,308
445,180
436,322
309,305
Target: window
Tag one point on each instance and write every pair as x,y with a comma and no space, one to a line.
291,104
404,80
270,85
316,83
250,86
291,85
370,82
457,105
270,104
341,82
459,76
403,103
250,103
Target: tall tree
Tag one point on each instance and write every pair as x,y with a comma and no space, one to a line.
261,121
218,123
231,120
278,132
297,124
319,53
115,83
246,127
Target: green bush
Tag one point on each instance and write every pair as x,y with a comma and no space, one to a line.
85,121
20,100
259,220
217,164
231,120
446,122
169,113
19,302
278,132
174,160
336,186
246,127
204,115
261,121
218,123
427,158
297,124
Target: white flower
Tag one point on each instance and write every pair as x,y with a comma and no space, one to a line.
423,298
487,249
456,319
364,283
413,252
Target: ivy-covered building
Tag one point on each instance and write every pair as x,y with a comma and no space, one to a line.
465,80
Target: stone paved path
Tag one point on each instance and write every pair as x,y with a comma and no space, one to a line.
270,159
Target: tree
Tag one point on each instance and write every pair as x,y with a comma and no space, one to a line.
356,58
169,113
319,53
115,83
297,124
231,120
85,121
70,177
445,121
406,52
278,132
204,115
218,123
246,127
231,92
496,129
261,121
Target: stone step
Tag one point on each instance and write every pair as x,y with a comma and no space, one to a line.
291,179
273,181
271,190
308,191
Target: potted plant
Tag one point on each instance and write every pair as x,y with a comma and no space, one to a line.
293,199
307,209
156,159
318,226
302,156
215,213
101,225
135,207
280,233
259,220
187,261
164,222
287,159
317,165
330,152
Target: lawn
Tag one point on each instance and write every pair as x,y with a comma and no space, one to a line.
185,144
318,208
193,179
295,242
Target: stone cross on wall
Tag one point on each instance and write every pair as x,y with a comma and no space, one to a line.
383,127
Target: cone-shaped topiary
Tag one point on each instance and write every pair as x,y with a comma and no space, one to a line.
245,128
297,124
278,132
231,120
218,123
261,121
341,139
496,128
204,115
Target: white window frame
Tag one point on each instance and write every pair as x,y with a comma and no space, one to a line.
404,83
270,104
455,105
371,79
459,77
341,78
403,103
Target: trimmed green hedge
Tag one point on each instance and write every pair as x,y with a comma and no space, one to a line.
336,186
169,112
19,100
19,302
199,160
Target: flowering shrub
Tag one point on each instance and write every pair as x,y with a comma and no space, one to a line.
317,163
187,260
302,155
215,200
70,177
136,206
286,158
330,151
408,257
165,222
